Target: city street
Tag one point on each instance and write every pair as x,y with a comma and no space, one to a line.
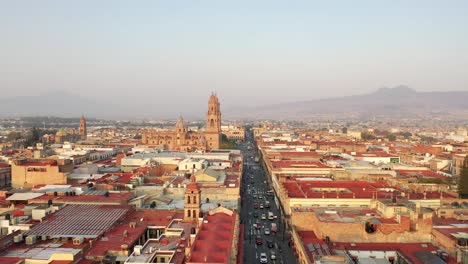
260,212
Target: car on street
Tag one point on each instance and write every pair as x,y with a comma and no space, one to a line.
267,204
261,206
270,244
272,255
255,215
263,217
274,227
255,205
260,197
271,216
259,240
266,231
257,225
263,258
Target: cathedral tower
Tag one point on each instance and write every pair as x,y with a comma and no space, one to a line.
83,133
192,201
213,123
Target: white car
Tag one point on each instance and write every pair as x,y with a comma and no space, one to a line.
266,231
263,217
263,258
272,255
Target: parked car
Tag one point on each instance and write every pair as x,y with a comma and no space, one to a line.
255,205
261,206
263,258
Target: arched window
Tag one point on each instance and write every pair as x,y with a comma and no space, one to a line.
188,213
188,199
212,122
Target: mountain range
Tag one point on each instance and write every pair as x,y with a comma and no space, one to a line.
397,101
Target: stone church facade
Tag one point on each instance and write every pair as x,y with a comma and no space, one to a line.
182,139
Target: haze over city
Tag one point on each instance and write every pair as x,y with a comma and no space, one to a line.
233,132
155,53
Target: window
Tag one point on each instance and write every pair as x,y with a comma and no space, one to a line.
194,214
188,199
188,213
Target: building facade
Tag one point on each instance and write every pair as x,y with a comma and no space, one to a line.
83,132
183,139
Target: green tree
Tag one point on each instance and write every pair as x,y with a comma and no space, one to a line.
463,180
391,137
344,130
14,135
367,136
33,136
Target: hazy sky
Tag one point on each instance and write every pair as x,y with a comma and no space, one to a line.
247,51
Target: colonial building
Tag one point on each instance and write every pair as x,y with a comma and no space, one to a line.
183,139
83,131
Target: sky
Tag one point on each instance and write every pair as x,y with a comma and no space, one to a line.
173,54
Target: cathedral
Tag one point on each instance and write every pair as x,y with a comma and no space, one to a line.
182,139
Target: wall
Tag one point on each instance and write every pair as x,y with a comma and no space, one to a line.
355,232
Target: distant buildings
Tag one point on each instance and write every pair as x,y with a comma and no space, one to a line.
28,173
183,139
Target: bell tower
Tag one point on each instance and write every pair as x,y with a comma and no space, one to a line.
192,201
83,133
213,123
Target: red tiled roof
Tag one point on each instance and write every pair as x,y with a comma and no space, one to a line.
424,173
351,189
39,163
298,164
8,260
213,241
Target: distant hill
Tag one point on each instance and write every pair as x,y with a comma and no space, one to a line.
65,104
398,101
56,103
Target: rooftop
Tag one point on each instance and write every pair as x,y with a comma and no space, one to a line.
214,239
87,221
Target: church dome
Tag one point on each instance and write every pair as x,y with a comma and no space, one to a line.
62,133
180,123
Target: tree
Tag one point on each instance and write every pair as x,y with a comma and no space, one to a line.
33,136
463,180
344,130
13,136
391,137
367,136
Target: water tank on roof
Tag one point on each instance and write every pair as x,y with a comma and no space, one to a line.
31,240
137,250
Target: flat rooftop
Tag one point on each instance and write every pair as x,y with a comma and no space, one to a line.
80,220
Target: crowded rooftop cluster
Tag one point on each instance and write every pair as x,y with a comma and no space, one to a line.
107,195
359,196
